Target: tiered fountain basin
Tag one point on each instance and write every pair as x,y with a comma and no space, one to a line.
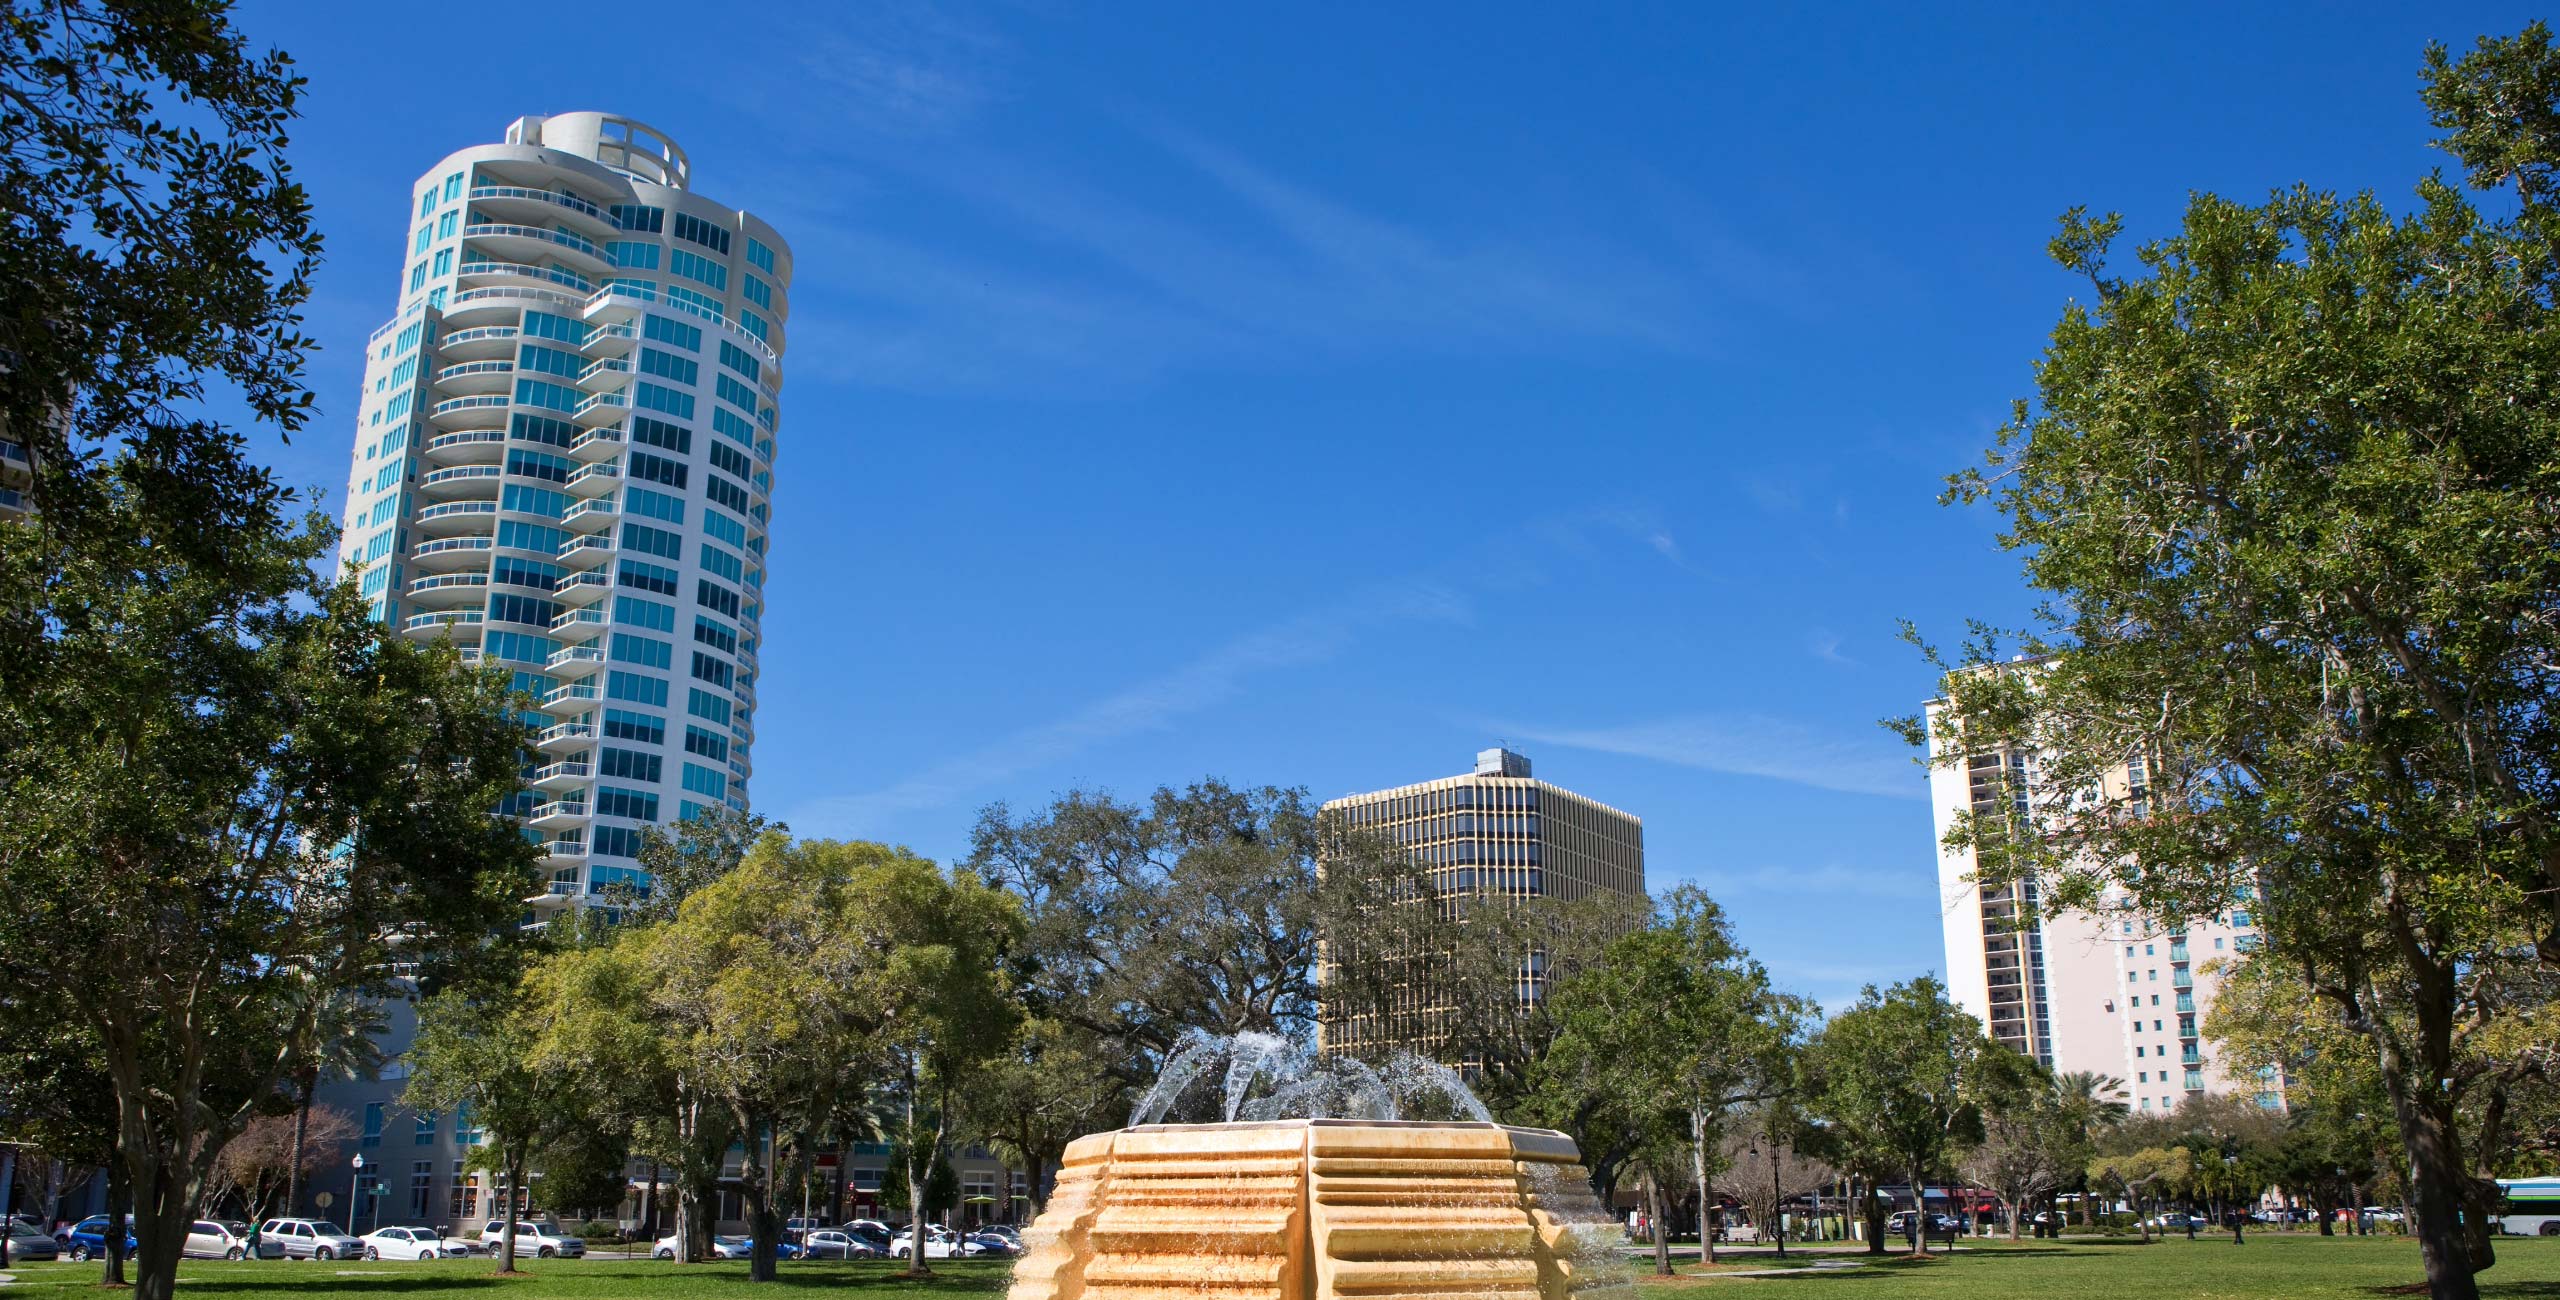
1320,1209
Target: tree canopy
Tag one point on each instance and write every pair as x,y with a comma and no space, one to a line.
2291,485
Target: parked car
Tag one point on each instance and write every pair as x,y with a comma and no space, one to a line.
992,1246
724,1248
538,1240
836,1243
227,1239
311,1239
2177,1221
31,1246
87,1239
1939,1225
741,1247
939,1243
793,1229
419,1243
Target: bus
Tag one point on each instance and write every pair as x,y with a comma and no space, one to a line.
2529,1207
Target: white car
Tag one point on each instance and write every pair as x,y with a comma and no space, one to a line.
226,1239
310,1239
533,1240
418,1243
721,1247
939,1243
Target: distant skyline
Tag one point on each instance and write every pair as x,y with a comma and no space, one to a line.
1315,396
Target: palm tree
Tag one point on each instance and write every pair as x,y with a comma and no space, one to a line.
346,1044
2088,1102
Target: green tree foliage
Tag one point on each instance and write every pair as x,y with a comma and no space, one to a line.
1902,1080
2034,1140
156,247
228,797
593,1016
705,846
2290,486
1193,911
584,1165
2142,1175
190,733
775,989
1049,1086
1658,1043
475,1049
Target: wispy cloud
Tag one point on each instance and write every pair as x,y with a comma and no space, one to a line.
1445,597
1174,253
1826,648
1150,705
1751,745
898,68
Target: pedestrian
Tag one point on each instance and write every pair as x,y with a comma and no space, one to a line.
2239,1222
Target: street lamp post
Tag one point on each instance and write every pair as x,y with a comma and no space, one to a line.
355,1187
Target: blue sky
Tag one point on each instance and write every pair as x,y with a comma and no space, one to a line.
1314,395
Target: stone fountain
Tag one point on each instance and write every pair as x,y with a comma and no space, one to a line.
1344,1200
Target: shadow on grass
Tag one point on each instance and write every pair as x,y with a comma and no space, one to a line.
675,1282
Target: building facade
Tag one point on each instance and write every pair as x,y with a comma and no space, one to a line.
2106,992
564,463
1494,833
17,479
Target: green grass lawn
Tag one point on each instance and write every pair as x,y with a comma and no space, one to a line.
2272,1266
542,1279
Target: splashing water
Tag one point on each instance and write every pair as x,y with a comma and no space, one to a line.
1294,1083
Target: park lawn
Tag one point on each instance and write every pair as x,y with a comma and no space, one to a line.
2272,1266
543,1279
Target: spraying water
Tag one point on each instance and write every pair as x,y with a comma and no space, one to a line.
1267,1077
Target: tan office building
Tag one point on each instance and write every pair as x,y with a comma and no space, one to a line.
1495,832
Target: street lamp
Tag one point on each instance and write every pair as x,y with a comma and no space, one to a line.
355,1184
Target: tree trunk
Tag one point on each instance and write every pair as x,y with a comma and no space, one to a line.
1919,1215
507,1175
647,1221
160,1229
1698,1161
835,1197
119,1207
916,1265
2452,1255
764,1224
304,1082
1873,1206
2012,1208
1653,1214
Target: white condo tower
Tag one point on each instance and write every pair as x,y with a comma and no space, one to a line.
564,462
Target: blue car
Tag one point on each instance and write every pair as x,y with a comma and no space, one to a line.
87,1239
